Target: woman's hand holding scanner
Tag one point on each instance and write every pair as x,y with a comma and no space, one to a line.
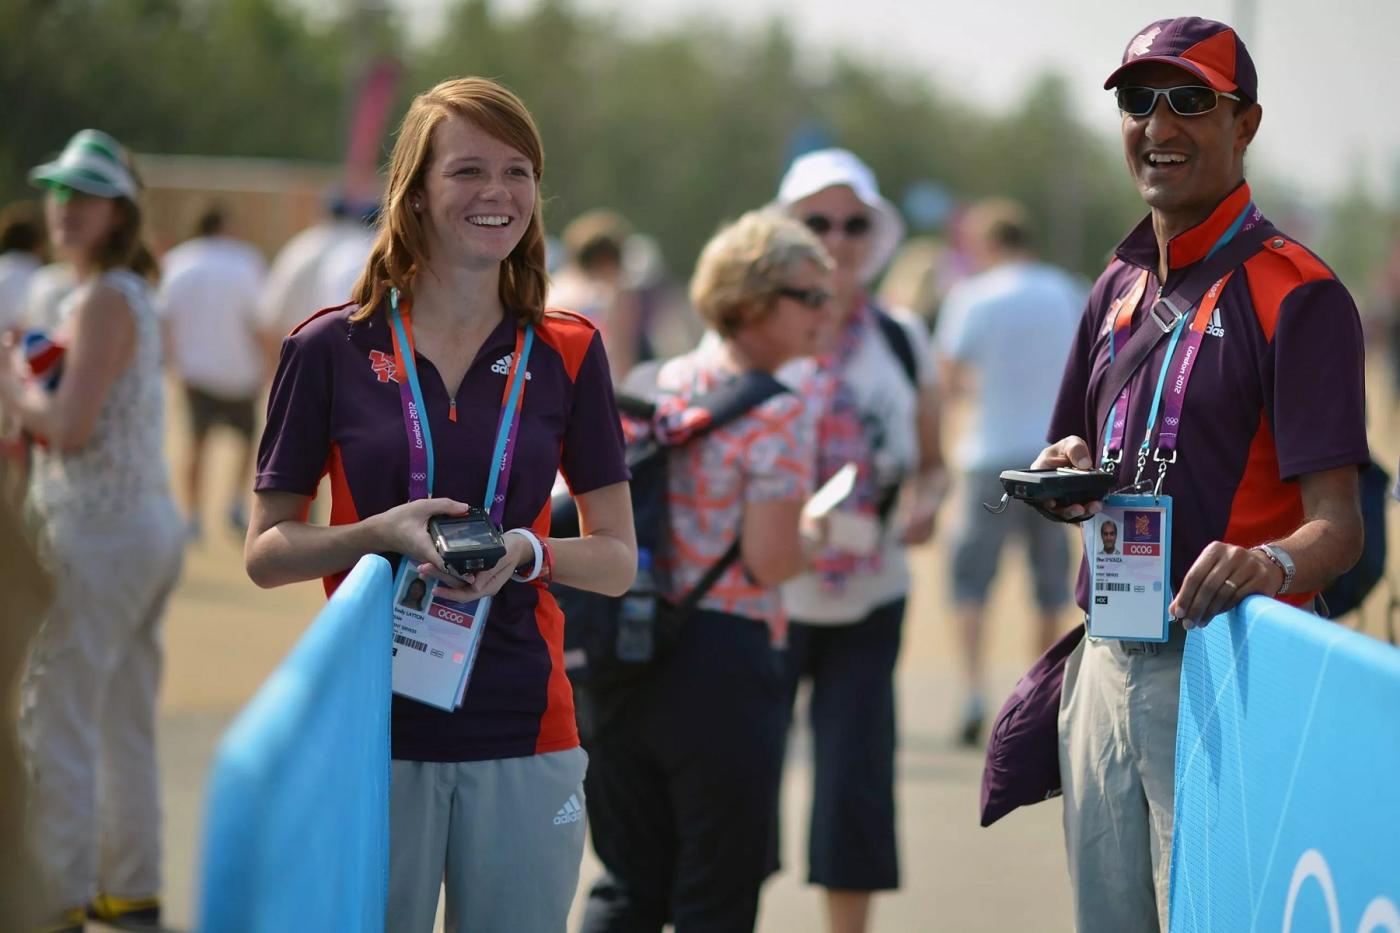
282,548
1072,452
473,586
404,530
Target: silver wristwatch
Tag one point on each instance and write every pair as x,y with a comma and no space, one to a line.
1283,560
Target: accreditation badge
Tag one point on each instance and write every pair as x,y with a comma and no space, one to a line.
1128,546
435,640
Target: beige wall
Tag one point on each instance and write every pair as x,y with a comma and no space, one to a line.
269,200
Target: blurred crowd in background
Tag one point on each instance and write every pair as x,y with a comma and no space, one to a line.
260,153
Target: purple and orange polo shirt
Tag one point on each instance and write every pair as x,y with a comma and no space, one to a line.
1278,390
334,409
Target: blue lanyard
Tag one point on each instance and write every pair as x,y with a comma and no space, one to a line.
505,432
503,452
411,372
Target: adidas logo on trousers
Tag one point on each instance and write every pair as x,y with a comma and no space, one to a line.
571,812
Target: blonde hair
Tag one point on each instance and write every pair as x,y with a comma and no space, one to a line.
745,263
400,251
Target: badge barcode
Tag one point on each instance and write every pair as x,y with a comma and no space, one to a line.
1105,587
411,643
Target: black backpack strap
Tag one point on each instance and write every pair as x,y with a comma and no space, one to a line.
1166,313
706,583
898,339
634,406
734,399
725,404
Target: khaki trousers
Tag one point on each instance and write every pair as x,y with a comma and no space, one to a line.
88,711
1117,764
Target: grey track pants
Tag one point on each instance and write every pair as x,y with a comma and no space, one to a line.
505,836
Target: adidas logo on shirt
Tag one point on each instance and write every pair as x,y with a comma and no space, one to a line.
570,812
502,366
1214,328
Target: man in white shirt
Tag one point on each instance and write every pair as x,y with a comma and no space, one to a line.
1003,335
315,269
208,303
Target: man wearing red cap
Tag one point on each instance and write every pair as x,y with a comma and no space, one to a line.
1243,422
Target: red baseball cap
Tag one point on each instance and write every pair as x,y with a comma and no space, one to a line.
1209,50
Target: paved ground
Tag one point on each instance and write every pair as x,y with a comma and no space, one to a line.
224,636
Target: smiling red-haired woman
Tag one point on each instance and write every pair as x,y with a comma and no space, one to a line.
400,396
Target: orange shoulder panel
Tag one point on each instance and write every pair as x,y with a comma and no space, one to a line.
343,511
1275,272
569,334
322,312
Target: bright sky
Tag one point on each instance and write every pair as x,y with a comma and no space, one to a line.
1326,68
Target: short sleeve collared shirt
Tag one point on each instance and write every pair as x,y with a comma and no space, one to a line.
765,455
335,409
1278,390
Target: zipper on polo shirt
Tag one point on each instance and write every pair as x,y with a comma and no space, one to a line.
452,410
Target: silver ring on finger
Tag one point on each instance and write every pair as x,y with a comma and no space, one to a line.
1231,584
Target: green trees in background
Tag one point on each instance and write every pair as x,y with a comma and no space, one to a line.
682,129
213,77
678,130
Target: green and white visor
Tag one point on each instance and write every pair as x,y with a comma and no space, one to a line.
91,163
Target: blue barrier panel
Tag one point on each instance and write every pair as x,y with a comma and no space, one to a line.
297,823
1287,796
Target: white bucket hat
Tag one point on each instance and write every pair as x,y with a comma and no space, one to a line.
92,163
829,168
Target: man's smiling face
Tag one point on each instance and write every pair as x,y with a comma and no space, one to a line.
1184,166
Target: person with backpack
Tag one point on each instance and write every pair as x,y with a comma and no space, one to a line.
683,776
877,407
399,395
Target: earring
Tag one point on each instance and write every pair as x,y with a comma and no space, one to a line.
416,204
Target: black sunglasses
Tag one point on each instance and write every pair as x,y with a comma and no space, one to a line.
814,298
1188,100
854,226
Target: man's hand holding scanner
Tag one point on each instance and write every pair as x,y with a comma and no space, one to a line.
1072,452
1220,579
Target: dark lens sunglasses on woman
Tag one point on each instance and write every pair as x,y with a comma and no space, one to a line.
854,226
